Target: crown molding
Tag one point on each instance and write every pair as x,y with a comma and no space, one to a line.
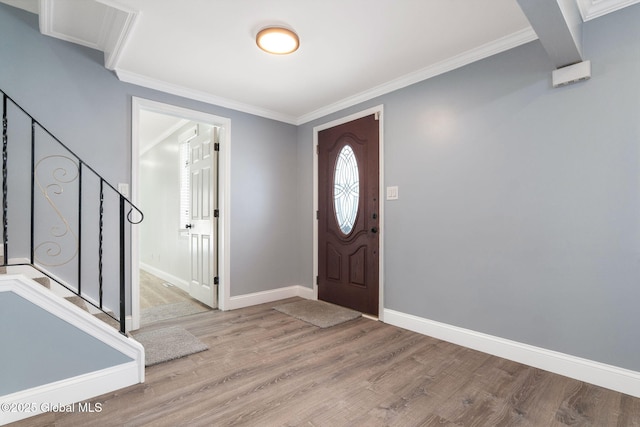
497,46
117,21
591,9
144,81
117,27
505,43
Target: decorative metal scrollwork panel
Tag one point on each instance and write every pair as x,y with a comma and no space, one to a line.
54,175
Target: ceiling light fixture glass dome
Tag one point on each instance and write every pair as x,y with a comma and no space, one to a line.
277,40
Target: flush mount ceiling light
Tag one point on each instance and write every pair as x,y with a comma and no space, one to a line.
277,40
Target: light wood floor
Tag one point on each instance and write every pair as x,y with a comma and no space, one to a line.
265,368
154,293
162,301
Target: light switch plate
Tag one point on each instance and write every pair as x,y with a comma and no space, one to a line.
123,188
392,193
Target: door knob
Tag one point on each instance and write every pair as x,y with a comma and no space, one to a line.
188,226
374,229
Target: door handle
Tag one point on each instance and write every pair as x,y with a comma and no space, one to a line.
374,229
188,226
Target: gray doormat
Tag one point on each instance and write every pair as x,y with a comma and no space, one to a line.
171,311
162,345
318,313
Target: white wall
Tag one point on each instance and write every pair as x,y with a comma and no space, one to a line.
162,246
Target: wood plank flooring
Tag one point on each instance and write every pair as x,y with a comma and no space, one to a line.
154,293
265,368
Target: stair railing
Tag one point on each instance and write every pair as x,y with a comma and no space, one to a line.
74,214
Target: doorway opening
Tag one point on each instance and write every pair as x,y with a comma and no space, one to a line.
179,180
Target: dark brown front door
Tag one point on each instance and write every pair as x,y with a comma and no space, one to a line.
348,215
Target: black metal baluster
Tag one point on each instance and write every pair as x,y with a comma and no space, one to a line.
100,236
80,163
104,186
33,175
122,266
5,223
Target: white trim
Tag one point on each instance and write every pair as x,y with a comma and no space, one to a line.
608,376
174,280
116,34
373,110
117,24
69,391
263,297
70,313
497,46
591,9
224,195
148,82
81,387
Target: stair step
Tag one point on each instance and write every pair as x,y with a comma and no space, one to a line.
79,302
108,319
44,281
3,270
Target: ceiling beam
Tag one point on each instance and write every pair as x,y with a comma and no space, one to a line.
558,24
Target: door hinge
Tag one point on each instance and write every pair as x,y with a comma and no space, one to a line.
317,214
377,115
216,146
317,149
216,213
216,280
317,280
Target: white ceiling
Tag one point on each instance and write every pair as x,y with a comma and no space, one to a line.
350,51
154,128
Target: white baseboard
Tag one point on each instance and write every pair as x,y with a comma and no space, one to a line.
248,300
174,280
66,392
82,387
608,376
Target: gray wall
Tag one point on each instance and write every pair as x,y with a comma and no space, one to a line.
519,204
67,88
45,348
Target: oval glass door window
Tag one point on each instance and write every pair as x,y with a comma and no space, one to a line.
346,189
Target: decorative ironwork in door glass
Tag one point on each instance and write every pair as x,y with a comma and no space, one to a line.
346,189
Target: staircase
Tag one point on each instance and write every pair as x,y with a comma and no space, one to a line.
64,260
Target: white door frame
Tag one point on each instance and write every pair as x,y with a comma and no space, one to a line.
224,198
373,110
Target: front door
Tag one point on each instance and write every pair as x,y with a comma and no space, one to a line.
348,214
202,230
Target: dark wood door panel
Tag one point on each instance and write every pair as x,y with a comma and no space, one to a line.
348,165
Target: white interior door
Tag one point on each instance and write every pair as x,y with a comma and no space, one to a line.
202,227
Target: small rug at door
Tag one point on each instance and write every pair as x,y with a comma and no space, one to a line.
318,313
162,345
